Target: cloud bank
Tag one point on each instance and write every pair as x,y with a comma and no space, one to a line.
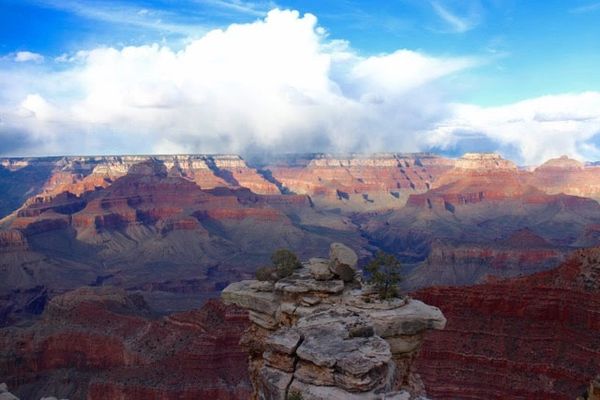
279,84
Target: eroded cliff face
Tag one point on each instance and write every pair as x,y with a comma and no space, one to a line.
154,231
102,343
565,175
360,182
467,226
321,334
527,338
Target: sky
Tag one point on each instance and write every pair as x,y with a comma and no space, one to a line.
258,77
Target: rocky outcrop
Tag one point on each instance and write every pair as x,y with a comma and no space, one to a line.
321,334
5,394
593,391
103,343
527,338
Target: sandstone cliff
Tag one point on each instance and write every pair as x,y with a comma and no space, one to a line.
528,338
321,334
102,343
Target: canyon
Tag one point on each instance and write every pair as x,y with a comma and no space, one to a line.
521,338
101,343
151,241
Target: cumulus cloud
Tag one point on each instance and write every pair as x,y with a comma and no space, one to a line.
28,56
277,84
536,129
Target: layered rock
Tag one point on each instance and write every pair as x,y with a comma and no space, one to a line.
476,177
377,181
102,343
463,263
12,240
532,337
320,333
459,232
158,232
565,175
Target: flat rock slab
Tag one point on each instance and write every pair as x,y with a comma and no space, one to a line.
308,285
242,294
410,319
284,341
313,392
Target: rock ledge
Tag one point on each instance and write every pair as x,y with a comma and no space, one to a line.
326,336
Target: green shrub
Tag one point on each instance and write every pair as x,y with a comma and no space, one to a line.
294,396
384,272
285,262
265,274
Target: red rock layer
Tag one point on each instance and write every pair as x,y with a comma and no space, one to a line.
565,175
527,338
468,263
333,177
148,196
114,349
481,178
12,240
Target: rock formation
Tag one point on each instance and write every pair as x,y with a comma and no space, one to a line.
102,343
149,230
5,394
593,391
565,175
524,338
321,334
377,181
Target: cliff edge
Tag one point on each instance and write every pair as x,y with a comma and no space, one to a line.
322,334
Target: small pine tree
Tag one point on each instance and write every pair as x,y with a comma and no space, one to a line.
384,272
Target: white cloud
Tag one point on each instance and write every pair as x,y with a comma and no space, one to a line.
591,7
28,56
539,128
457,23
244,7
275,84
119,13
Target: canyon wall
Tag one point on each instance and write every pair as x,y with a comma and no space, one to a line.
526,338
102,343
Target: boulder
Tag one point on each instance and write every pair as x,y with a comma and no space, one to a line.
342,261
319,269
5,394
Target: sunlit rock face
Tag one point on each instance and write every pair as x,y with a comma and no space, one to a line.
377,181
565,175
110,345
531,337
325,336
482,219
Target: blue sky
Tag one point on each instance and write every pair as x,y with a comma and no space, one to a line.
484,55
535,47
